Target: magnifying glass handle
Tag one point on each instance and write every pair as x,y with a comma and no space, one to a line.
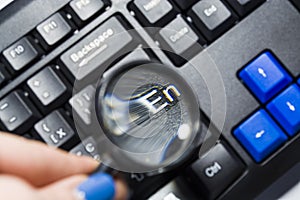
114,173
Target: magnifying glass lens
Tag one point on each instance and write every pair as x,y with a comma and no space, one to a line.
150,116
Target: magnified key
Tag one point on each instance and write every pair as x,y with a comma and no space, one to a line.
148,118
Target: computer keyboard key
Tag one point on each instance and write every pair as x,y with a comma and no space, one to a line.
185,4
212,18
285,108
87,147
85,9
4,75
97,49
81,104
53,29
260,135
178,38
17,113
54,129
296,3
265,76
215,171
153,12
48,88
244,7
20,54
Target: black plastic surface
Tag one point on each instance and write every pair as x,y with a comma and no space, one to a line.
275,26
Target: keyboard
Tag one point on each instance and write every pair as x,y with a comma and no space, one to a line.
247,53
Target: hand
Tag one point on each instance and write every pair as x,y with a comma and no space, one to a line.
31,170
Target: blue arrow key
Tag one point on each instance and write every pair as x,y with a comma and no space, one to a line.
260,135
286,109
265,77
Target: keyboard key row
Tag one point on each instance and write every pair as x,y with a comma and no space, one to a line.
48,34
261,134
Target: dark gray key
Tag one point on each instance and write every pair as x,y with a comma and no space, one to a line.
212,17
152,10
244,7
4,76
178,37
85,9
184,4
17,113
215,171
296,3
54,129
53,29
20,54
97,49
87,147
81,104
48,87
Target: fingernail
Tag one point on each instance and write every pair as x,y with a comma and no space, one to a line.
97,186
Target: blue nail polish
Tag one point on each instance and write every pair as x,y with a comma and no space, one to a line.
98,186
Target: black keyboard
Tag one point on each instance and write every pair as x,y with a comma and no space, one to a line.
53,51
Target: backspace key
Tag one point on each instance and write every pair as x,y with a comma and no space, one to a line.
90,57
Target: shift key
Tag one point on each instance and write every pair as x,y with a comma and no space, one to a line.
97,50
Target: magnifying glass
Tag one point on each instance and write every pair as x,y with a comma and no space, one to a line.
148,118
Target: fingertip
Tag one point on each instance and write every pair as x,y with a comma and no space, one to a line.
121,190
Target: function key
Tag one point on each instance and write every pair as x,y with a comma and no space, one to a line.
244,7
215,171
4,76
178,38
212,18
17,113
265,76
53,29
55,130
50,90
154,12
260,135
21,53
286,109
85,9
